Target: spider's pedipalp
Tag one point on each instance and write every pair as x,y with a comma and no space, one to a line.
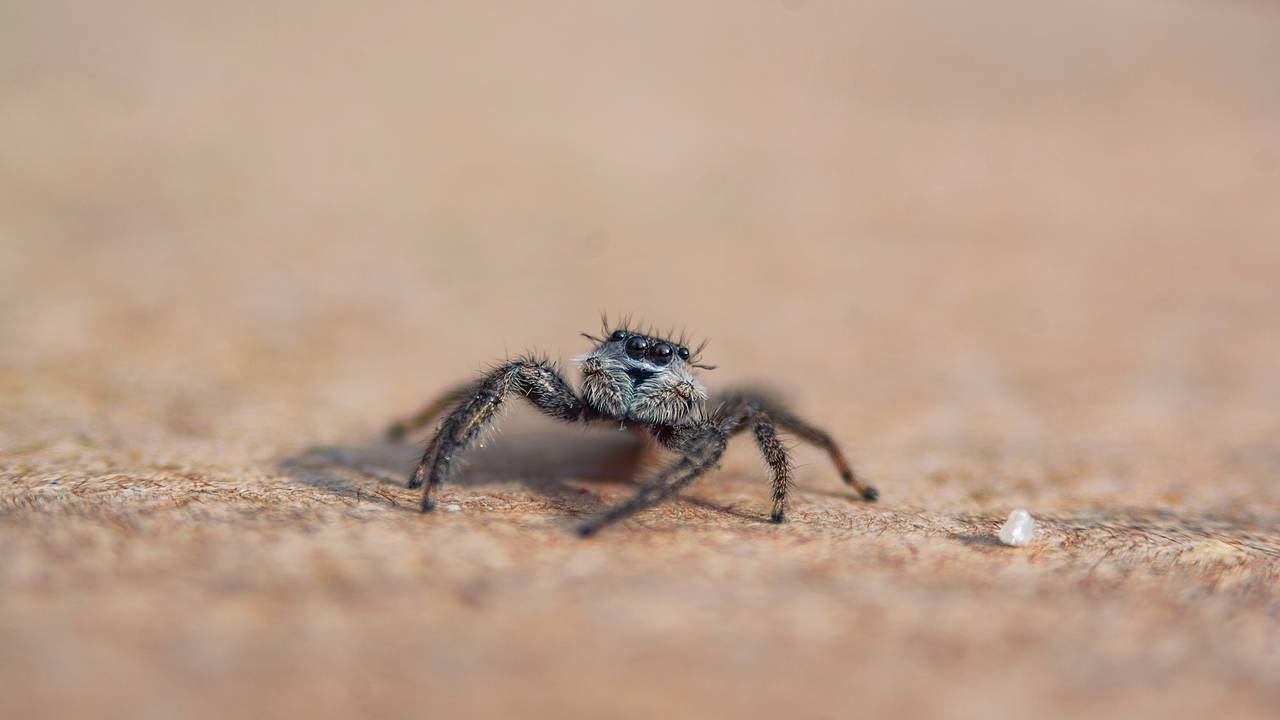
606,386
668,399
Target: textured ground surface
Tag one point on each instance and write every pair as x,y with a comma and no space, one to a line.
1012,257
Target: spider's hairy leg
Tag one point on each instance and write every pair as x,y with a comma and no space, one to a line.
802,429
822,439
736,414
537,380
700,453
776,456
429,412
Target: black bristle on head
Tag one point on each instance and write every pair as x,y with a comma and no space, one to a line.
626,327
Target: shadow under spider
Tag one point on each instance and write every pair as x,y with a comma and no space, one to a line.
539,460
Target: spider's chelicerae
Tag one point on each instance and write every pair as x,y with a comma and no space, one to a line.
640,382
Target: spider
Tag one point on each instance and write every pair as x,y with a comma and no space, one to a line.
643,383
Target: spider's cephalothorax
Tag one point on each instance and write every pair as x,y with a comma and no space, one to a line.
635,377
639,381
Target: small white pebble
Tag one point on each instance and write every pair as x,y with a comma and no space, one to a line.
452,507
1018,529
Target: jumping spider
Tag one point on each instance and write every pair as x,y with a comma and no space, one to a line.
643,383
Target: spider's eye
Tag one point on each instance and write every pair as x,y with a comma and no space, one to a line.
618,335
637,346
660,353
683,352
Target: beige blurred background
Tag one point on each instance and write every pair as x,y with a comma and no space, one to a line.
1012,253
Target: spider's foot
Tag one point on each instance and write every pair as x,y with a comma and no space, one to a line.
777,517
414,483
428,505
586,530
867,492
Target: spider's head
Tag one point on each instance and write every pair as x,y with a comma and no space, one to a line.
632,375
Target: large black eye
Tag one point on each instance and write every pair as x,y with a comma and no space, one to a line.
618,335
637,346
683,352
661,353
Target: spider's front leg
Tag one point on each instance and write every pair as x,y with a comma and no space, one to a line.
537,380
700,449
